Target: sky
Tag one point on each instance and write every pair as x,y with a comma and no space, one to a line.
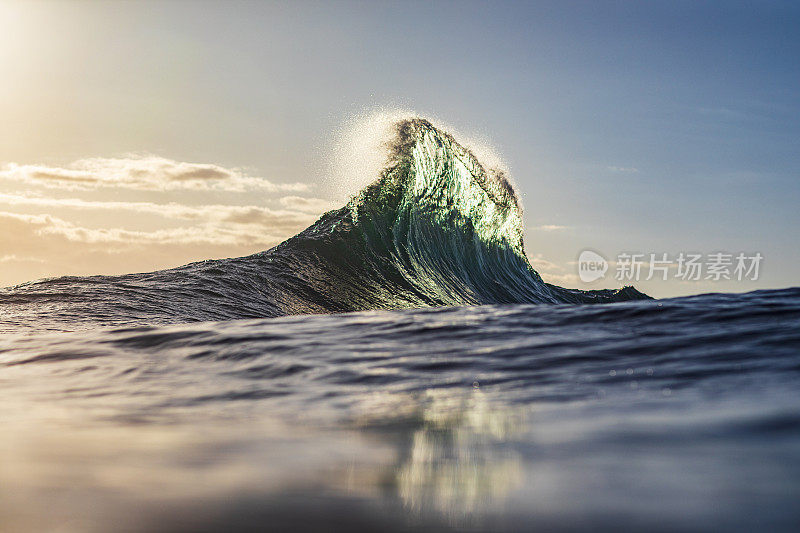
136,136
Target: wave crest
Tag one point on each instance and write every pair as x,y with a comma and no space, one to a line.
435,228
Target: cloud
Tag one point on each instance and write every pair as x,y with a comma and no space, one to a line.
543,265
45,246
307,205
145,172
629,170
552,272
548,227
36,245
13,258
94,232
284,219
232,225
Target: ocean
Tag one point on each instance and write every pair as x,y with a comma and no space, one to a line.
397,366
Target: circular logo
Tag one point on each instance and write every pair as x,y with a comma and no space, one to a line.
591,266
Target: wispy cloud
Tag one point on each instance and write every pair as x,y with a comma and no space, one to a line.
552,272
13,258
307,205
43,233
147,172
207,233
44,245
281,219
548,227
627,170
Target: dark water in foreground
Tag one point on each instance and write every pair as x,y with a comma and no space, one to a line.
659,415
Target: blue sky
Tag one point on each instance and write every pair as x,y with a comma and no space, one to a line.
637,126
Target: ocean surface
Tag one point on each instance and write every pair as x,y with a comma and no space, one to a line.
397,366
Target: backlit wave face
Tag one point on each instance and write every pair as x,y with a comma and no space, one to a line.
452,229
435,228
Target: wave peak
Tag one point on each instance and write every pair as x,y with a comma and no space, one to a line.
436,227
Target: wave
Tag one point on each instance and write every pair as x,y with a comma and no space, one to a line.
436,228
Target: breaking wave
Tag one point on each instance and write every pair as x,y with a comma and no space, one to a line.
436,228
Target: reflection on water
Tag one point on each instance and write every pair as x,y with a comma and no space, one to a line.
437,456
447,457
457,463
368,422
